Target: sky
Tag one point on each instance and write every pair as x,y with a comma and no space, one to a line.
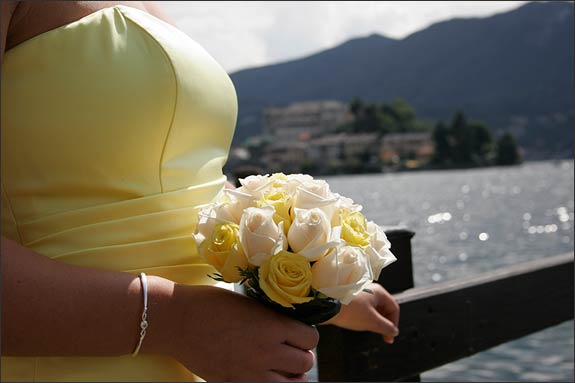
246,34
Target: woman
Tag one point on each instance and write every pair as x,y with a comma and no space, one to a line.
115,126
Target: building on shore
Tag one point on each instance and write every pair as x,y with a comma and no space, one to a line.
290,129
407,149
302,137
304,119
343,151
326,154
285,156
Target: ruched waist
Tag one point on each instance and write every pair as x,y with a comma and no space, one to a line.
151,234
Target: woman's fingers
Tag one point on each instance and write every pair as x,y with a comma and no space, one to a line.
387,306
293,360
388,339
387,314
302,336
384,313
278,376
382,325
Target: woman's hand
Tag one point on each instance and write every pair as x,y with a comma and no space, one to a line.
224,336
377,312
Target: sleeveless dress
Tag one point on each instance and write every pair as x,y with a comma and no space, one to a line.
115,127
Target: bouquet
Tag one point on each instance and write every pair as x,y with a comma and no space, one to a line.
295,245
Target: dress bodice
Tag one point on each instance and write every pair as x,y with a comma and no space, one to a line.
115,127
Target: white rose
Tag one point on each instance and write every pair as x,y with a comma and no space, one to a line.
295,180
317,187
234,205
379,252
342,274
245,199
206,223
347,204
229,211
316,194
299,177
310,233
255,186
260,236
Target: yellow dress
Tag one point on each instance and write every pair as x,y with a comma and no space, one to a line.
115,127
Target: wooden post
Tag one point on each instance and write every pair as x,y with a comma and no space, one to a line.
398,276
336,359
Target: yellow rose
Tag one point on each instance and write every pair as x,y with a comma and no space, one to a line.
279,180
286,278
281,202
222,251
354,229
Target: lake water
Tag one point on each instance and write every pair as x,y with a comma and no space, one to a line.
472,221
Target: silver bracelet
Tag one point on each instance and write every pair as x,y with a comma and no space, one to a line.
144,322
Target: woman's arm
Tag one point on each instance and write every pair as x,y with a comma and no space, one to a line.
54,309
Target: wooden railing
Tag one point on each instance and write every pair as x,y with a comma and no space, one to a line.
449,321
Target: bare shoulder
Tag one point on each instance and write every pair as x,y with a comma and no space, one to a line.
23,20
8,8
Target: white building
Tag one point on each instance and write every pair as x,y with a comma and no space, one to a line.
338,149
303,120
285,156
398,147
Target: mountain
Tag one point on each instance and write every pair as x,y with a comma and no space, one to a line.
513,71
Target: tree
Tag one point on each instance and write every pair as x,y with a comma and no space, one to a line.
371,121
461,140
482,143
356,107
396,117
463,143
507,151
442,153
404,115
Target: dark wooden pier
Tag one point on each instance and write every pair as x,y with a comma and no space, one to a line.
448,321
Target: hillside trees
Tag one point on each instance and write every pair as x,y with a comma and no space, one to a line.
395,117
